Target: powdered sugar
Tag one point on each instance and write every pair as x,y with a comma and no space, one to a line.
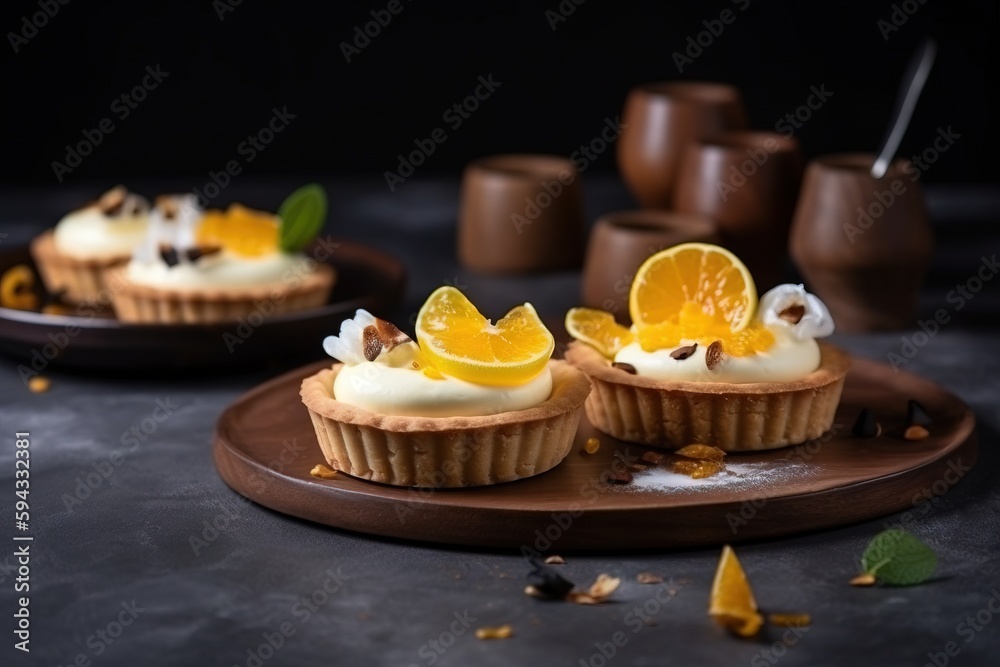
757,477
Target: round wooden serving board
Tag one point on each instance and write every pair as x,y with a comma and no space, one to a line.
265,447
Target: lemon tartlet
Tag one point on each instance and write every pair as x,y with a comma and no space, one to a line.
704,362
215,266
470,403
73,257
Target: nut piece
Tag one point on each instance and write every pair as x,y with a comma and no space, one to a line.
656,458
682,353
648,578
323,472
168,206
790,620
591,445
389,334
39,384
371,343
111,201
498,632
793,314
714,355
555,560
622,366
915,432
623,477
863,580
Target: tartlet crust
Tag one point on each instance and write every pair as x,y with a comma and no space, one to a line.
445,452
145,304
734,417
79,280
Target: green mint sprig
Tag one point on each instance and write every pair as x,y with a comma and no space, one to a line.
302,216
895,557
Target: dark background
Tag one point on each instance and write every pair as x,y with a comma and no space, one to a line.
557,88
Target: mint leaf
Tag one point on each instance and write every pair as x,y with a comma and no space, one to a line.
302,215
897,558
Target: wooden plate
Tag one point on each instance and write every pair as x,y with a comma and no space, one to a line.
366,278
265,446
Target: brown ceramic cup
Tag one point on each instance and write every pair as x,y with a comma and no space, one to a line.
621,241
863,245
659,121
748,182
521,213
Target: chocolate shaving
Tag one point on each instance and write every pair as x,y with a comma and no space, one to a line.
793,314
682,353
547,582
714,355
866,426
371,343
111,201
169,255
916,414
622,366
172,257
194,254
389,334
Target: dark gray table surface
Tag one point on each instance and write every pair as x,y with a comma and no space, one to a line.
128,550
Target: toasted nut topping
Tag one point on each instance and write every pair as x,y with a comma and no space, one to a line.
591,445
555,560
793,314
599,591
648,578
682,353
863,580
790,620
915,432
701,452
168,205
622,366
111,201
714,355
371,343
623,477
323,472
656,458
39,384
499,632
389,334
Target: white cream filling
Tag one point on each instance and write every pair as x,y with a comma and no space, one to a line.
90,234
787,360
391,386
222,269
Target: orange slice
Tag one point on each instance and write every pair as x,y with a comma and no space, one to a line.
17,288
713,280
598,329
242,230
460,342
732,604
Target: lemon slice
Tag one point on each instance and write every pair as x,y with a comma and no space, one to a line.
598,329
460,342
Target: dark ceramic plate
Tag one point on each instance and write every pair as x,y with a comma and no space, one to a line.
366,278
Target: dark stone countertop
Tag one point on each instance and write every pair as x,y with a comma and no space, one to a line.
129,541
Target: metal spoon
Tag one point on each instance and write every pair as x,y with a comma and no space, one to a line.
906,100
